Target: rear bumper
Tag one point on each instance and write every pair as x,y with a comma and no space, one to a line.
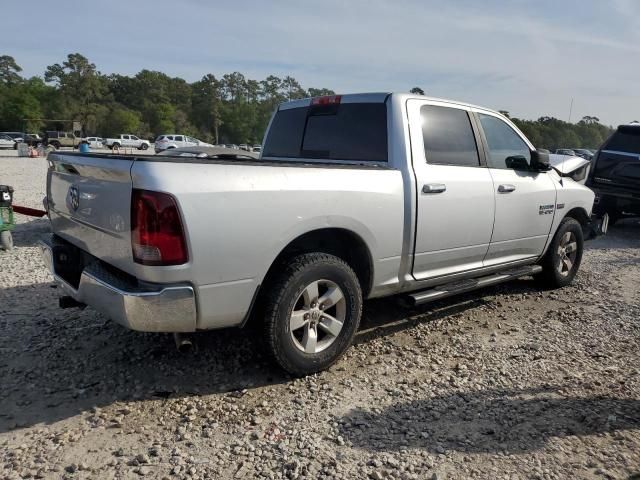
151,308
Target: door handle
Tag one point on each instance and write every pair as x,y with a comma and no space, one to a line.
434,188
506,188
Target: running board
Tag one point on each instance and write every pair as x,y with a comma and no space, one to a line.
462,286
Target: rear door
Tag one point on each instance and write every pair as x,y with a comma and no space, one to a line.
455,190
525,201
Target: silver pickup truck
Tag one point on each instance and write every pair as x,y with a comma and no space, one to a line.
354,197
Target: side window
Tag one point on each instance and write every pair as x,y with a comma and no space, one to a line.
133,137
503,142
178,138
448,137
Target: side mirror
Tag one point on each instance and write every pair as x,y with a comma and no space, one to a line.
517,162
540,161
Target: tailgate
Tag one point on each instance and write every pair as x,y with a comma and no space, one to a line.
89,198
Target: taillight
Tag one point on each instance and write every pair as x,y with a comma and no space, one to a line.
328,100
157,236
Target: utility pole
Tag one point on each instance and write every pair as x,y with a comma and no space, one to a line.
570,109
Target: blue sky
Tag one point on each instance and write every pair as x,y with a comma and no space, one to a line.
528,57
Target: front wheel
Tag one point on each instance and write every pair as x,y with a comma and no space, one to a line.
6,240
144,146
562,261
312,312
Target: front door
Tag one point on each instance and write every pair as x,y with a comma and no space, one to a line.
455,204
525,200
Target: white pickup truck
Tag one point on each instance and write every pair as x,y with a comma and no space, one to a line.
126,140
354,197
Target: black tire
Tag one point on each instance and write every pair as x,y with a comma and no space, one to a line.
556,273
6,240
144,146
614,216
55,145
115,146
289,288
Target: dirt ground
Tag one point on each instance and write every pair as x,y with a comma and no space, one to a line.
505,383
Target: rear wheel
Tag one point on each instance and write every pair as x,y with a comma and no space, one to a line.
312,313
6,240
562,261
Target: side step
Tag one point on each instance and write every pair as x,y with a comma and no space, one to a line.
462,286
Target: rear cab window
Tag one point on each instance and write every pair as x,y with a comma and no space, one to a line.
345,131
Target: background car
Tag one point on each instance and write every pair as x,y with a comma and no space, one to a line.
94,142
208,152
167,141
565,151
615,175
32,139
61,139
584,153
6,141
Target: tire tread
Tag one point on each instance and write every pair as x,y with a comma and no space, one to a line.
276,293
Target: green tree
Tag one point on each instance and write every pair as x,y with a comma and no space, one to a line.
9,70
121,120
81,86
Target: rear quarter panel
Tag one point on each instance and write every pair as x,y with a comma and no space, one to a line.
239,217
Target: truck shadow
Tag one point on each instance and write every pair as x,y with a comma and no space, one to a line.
488,421
55,363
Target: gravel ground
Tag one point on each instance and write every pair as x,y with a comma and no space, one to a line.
506,383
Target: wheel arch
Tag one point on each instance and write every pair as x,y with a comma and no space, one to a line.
581,216
341,242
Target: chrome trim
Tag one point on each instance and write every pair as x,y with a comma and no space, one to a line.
170,308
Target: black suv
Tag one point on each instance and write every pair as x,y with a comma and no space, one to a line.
615,174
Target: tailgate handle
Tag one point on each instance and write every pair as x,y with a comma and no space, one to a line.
434,188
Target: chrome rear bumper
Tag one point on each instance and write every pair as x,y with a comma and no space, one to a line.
154,308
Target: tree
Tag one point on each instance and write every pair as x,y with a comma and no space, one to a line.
230,108
9,70
121,120
81,85
589,120
205,107
320,92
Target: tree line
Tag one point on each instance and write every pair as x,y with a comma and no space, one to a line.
225,109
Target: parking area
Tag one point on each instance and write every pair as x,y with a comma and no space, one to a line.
510,382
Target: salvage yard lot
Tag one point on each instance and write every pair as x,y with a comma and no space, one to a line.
508,382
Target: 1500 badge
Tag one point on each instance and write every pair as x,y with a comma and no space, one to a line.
546,209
